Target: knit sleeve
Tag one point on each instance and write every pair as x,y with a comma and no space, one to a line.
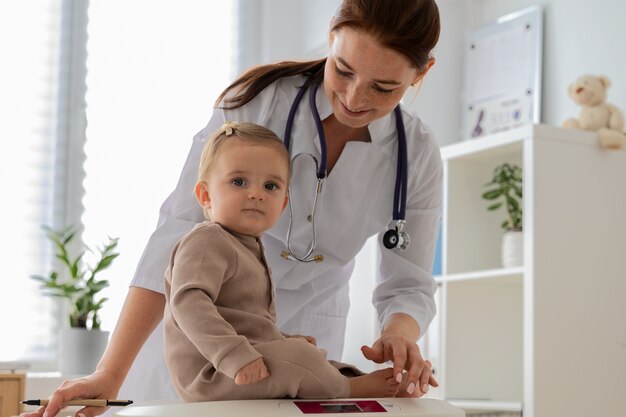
203,261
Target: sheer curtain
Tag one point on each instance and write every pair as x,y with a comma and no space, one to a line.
154,70
41,109
155,67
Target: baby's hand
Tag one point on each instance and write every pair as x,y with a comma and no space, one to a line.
252,372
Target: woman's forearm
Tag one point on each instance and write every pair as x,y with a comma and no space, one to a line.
402,324
142,312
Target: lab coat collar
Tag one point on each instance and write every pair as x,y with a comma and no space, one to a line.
380,130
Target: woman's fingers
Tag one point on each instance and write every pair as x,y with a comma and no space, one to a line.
37,413
97,385
425,377
405,356
374,353
91,411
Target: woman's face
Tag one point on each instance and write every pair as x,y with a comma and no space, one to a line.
363,80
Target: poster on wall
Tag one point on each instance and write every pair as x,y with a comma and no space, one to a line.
502,77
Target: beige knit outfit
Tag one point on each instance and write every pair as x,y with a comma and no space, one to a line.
220,316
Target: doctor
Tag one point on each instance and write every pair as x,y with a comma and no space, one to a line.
378,48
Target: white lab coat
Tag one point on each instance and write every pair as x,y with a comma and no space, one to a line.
356,203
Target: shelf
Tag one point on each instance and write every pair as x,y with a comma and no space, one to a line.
511,142
488,147
487,405
500,273
497,349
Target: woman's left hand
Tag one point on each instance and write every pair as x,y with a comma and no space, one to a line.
394,346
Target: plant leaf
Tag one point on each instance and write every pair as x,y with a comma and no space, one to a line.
104,263
492,194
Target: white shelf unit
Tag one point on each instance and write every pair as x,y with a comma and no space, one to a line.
547,338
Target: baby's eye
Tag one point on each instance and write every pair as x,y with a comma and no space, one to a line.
271,186
238,182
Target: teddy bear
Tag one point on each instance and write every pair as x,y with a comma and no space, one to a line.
597,115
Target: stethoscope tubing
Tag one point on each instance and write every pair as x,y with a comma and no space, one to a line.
309,250
400,188
399,195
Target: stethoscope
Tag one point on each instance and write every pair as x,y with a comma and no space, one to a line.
395,236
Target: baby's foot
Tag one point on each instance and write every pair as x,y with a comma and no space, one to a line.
374,385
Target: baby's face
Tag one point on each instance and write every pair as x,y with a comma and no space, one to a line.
247,187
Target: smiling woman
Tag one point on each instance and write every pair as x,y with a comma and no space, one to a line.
365,80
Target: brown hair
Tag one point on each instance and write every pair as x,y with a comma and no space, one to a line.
410,27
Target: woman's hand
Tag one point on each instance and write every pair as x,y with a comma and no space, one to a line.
394,345
142,311
100,384
252,372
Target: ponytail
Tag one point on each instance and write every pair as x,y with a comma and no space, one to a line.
256,79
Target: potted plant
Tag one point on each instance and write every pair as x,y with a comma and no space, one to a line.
82,343
505,188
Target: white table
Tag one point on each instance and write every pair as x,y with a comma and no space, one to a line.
383,407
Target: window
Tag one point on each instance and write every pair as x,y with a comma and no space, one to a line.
41,43
153,70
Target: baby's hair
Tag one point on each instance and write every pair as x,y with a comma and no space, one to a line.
248,132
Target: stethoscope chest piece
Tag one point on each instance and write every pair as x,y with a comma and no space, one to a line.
395,237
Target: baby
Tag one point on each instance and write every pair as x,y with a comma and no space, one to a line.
221,338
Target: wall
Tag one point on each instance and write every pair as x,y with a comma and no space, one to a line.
274,30
579,38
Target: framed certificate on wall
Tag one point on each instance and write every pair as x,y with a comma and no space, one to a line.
502,77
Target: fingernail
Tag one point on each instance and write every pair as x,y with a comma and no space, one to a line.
410,388
80,415
425,388
399,378
45,414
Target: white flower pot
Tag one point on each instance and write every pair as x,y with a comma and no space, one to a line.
512,249
81,350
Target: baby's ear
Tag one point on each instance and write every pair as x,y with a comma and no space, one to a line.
202,194
286,200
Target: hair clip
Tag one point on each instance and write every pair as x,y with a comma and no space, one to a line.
228,128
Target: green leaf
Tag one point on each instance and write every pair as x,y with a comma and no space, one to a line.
78,289
492,195
104,263
40,278
494,206
514,204
74,266
67,239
